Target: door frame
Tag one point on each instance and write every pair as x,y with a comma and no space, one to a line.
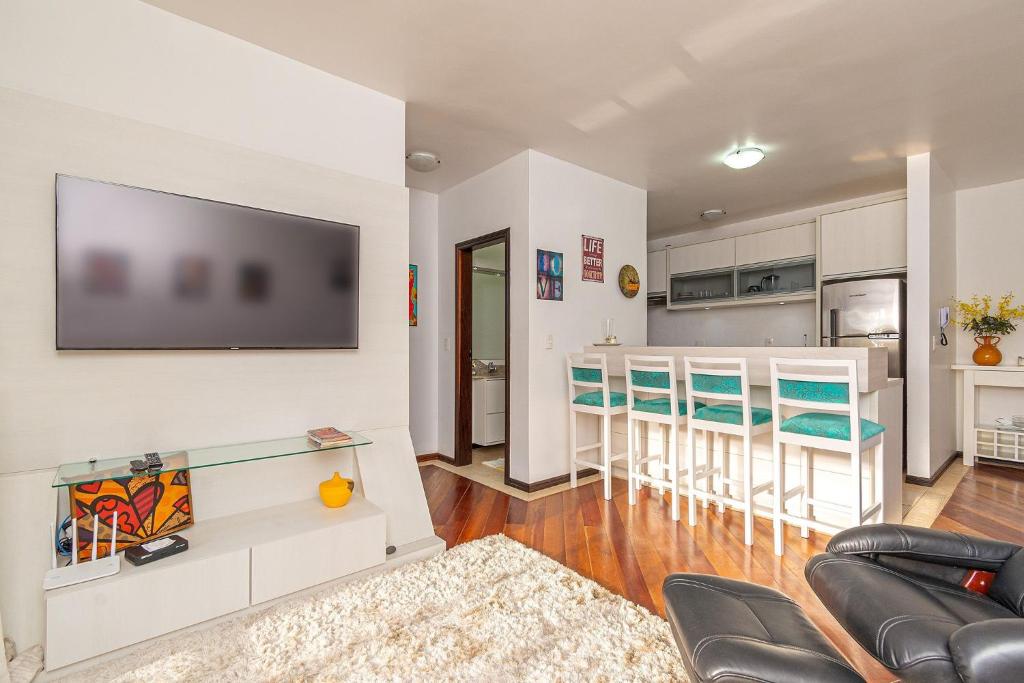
463,454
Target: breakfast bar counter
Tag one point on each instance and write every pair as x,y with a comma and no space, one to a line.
881,400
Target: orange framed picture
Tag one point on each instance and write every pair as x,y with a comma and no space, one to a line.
148,506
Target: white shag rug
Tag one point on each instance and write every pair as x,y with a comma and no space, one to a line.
490,610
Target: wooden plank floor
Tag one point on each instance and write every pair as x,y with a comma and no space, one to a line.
630,549
987,503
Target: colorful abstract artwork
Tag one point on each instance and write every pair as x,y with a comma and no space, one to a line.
414,295
549,275
147,507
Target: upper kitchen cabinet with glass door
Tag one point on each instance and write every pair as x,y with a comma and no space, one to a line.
776,262
779,277
702,272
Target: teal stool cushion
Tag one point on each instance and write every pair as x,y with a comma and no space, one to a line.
716,384
829,426
732,414
660,406
586,374
820,392
649,378
596,399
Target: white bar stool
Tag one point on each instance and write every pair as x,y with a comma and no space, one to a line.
826,393
589,372
654,375
726,380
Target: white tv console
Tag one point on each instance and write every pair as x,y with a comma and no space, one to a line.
242,560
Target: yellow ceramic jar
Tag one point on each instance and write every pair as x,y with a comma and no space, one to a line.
336,491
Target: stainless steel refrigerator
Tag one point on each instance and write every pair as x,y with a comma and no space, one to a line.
869,313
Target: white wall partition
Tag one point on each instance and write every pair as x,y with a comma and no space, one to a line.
494,200
548,204
931,284
423,337
566,202
124,92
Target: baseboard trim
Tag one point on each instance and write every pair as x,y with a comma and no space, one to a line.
427,457
534,486
930,481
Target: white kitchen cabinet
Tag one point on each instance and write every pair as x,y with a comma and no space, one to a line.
657,271
796,241
694,258
488,411
864,240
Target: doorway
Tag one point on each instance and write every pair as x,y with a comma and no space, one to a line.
482,352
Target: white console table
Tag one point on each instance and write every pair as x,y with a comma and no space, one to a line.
989,440
274,546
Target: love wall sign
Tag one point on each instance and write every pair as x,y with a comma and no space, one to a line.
593,259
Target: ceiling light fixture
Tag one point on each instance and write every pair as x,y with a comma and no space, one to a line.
712,214
421,161
744,157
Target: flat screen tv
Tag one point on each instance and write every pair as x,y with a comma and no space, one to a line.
141,269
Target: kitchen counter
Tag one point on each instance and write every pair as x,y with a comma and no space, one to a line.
881,400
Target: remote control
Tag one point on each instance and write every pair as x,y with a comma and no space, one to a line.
153,461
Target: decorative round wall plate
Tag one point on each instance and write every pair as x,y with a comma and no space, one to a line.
629,281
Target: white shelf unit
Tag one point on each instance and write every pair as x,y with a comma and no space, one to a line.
999,443
232,562
981,438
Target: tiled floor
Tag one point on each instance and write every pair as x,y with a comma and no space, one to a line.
495,478
922,504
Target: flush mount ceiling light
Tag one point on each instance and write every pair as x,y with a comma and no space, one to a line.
712,214
421,161
744,157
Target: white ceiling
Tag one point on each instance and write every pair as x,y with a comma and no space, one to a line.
655,92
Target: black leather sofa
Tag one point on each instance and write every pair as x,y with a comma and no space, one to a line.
731,631
896,590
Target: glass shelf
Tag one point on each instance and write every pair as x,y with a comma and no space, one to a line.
773,279
706,286
116,468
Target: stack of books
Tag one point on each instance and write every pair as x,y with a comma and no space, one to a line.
328,436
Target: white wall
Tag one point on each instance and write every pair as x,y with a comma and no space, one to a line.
931,284
745,325
789,325
989,243
566,202
131,59
423,337
494,200
196,112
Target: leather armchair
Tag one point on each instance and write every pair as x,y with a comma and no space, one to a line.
897,590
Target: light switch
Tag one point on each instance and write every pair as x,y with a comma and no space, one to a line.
549,342
447,343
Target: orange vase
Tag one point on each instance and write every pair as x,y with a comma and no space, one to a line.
987,353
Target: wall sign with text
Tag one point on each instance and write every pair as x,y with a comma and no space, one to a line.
593,259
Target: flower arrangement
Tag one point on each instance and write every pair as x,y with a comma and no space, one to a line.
977,316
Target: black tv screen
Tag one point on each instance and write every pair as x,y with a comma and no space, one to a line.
141,269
